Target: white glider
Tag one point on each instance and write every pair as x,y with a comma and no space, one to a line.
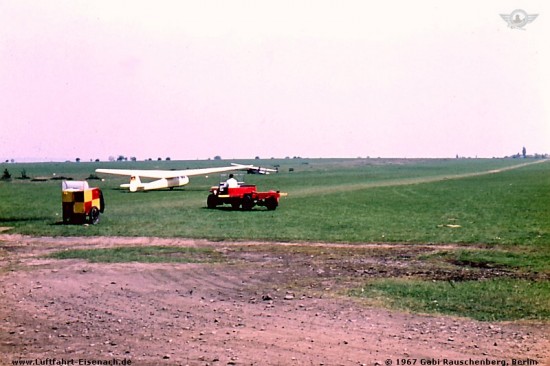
260,170
167,178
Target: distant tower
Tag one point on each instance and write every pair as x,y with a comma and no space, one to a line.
524,152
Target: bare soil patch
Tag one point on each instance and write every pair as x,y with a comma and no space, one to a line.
266,304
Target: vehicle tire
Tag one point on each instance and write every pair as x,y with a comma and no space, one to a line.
93,216
271,203
248,203
101,202
212,201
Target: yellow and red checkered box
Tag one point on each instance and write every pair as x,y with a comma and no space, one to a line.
82,201
77,202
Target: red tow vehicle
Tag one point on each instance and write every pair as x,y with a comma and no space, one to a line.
244,196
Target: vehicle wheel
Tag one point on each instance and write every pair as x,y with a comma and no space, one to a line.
93,217
101,202
212,201
248,203
271,203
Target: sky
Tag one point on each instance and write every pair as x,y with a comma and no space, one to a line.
240,79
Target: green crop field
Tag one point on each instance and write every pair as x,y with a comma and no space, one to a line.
496,210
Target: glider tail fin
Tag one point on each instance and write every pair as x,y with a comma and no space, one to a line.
135,183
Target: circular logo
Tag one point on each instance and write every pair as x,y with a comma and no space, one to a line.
518,18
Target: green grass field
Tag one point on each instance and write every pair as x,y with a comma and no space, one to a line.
499,206
329,200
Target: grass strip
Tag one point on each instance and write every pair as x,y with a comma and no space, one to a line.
488,300
147,254
527,260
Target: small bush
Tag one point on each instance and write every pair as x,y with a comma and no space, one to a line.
6,175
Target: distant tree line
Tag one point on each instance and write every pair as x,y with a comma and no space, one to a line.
133,158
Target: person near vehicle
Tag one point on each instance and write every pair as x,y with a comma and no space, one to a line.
231,182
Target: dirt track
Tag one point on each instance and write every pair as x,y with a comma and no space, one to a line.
266,304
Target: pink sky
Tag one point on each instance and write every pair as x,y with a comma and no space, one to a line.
239,79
